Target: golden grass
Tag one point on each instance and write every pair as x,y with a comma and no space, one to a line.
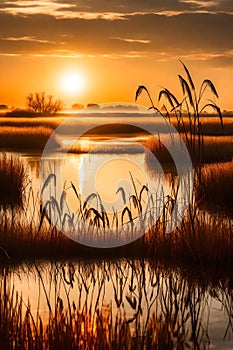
210,125
215,149
203,240
216,187
24,138
48,122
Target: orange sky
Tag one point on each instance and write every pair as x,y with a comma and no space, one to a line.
115,48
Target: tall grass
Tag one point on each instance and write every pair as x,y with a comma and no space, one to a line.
200,239
215,190
25,138
191,106
46,122
214,149
13,181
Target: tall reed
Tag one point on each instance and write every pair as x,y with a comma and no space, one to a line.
190,106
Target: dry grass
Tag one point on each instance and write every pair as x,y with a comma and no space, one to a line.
216,187
47,122
24,138
215,149
13,180
201,239
210,125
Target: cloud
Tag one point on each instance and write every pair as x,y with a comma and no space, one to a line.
27,38
201,4
128,40
171,28
111,10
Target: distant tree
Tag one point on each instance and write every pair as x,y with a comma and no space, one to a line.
93,105
77,106
3,107
42,104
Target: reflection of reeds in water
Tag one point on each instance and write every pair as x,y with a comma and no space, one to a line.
151,309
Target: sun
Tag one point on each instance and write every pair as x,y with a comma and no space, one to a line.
73,83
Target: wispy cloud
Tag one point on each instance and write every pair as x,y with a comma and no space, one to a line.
72,54
129,40
202,4
9,54
27,7
28,39
119,56
60,54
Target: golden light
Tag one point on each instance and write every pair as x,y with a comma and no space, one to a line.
73,83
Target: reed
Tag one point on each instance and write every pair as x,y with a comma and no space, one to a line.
13,181
191,107
195,241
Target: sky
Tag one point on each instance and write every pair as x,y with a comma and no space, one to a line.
111,47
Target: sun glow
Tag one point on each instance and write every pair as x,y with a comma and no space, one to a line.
73,83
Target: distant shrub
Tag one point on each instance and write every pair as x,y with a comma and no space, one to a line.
20,113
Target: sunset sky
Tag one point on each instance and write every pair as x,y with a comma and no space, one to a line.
111,47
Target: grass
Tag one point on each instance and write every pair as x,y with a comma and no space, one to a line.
214,149
200,240
25,138
210,126
216,188
203,241
25,122
217,149
13,181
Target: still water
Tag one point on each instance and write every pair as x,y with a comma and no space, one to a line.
197,312
137,290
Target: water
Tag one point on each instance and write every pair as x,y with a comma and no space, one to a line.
136,290
199,313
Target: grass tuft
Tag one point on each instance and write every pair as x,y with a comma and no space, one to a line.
13,180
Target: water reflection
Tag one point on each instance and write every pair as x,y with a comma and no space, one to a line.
182,313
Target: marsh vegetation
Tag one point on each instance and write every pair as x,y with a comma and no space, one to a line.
160,291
